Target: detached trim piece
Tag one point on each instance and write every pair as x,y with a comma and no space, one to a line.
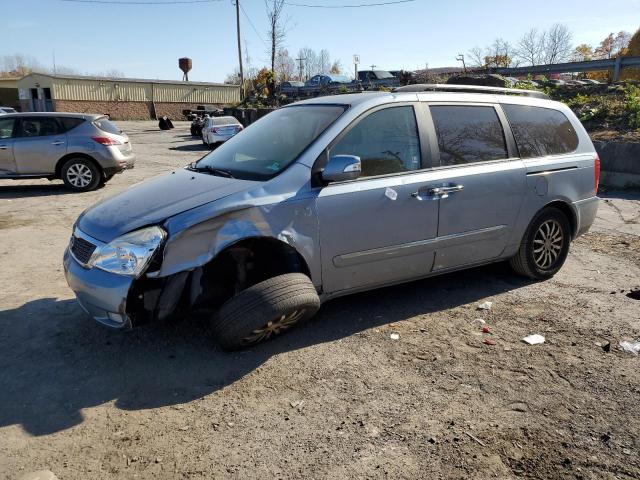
413,248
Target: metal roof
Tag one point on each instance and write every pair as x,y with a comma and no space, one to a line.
134,80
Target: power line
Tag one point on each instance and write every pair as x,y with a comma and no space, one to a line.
360,5
252,25
129,2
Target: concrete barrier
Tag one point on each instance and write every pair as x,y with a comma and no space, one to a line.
619,164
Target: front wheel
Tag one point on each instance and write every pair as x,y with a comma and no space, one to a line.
265,310
80,174
545,245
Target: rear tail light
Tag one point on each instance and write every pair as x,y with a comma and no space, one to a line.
106,141
596,168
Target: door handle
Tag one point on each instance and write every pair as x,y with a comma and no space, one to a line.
443,191
57,142
436,192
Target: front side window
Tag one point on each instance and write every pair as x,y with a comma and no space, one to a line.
39,127
540,131
386,142
468,134
268,146
6,127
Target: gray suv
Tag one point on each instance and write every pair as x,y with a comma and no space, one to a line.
82,150
336,195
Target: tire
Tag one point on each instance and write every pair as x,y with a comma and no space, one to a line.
80,174
265,310
545,245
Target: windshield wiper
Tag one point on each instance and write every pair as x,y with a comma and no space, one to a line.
212,170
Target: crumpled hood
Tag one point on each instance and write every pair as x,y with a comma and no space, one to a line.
154,201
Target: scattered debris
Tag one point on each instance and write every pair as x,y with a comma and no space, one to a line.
432,440
297,404
485,306
185,428
488,341
606,346
395,336
634,294
486,329
480,321
631,347
473,437
626,451
533,339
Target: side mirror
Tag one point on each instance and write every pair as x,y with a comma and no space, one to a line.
341,168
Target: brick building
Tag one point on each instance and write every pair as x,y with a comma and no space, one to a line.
121,98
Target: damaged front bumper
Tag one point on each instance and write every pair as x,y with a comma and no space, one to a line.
101,294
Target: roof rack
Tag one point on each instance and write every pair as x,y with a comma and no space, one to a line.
433,87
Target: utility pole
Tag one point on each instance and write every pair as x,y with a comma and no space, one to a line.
300,60
373,67
239,49
460,58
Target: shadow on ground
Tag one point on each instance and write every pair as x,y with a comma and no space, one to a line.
43,190
54,362
192,147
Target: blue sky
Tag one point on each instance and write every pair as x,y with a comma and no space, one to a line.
146,41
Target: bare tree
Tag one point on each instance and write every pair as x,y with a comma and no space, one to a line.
324,61
277,27
530,47
499,54
285,66
621,41
556,43
476,57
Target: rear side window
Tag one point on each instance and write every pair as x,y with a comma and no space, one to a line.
468,134
541,131
69,123
105,125
6,127
39,127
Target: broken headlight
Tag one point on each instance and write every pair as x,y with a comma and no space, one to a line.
129,254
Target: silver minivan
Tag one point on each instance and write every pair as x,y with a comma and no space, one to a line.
82,150
336,195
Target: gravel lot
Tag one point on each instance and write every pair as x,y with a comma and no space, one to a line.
336,398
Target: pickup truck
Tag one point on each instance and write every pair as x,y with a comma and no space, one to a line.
377,78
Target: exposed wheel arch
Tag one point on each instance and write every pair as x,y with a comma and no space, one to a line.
568,210
61,162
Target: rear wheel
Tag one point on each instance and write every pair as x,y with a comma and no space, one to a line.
80,174
545,245
265,310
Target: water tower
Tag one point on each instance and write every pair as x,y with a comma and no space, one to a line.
185,65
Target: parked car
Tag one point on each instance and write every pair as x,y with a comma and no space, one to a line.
591,81
83,150
335,195
377,78
7,110
326,80
575,83
291,84
555,82
219,129
196,125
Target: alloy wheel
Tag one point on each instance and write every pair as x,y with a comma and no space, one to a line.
547,244
274,327
79,175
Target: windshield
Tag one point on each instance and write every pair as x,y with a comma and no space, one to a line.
268,146
383,74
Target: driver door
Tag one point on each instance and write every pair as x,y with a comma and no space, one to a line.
376,230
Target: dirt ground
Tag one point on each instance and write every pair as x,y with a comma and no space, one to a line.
337,398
